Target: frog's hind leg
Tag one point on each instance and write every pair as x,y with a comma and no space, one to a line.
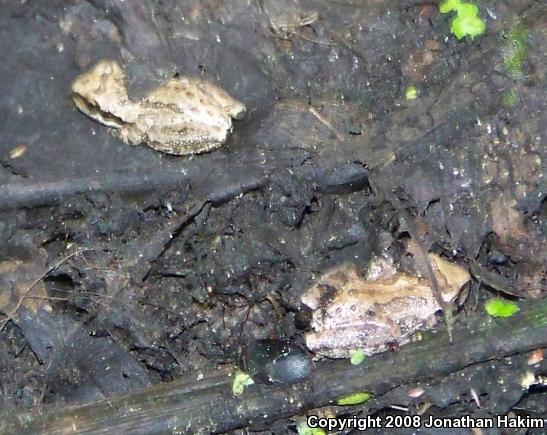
183,149
229,104
186,141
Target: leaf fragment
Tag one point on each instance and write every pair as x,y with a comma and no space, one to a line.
498,307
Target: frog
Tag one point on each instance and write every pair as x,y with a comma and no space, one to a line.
376,312
184,115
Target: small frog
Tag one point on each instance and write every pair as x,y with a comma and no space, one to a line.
183,116
351,312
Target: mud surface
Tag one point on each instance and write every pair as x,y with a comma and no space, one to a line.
143,267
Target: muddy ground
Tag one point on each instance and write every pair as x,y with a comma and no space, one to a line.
122,267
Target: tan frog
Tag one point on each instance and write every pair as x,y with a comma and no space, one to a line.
183,116
351,312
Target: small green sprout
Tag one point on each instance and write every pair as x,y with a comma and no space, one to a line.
498,307
304,429
449,6
411,93
467,26
467,10
241,380
355,399
466,22
357,356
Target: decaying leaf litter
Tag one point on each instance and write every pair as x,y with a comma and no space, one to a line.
218,251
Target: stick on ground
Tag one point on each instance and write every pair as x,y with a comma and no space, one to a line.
208,405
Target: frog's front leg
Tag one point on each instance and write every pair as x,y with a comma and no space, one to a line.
130,135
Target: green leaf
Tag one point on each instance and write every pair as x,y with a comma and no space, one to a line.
357,356
466,22
304,429
354,399
411,93
467,10
241,380
472,26
448,5
498,307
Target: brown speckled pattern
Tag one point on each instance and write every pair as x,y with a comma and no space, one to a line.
372,314
183,116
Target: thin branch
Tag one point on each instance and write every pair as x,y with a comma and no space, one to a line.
10,315
184,405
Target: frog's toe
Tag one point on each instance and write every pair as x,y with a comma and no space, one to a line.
237,111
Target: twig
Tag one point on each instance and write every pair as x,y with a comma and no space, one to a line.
9,316
493,279
424,266
325,123
184,405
